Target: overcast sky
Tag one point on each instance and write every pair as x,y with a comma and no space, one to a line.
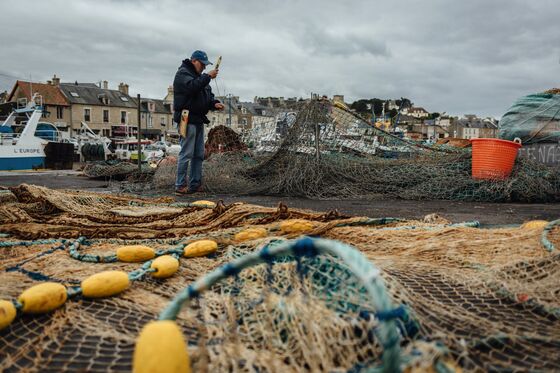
460,57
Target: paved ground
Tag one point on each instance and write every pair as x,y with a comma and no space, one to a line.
486,213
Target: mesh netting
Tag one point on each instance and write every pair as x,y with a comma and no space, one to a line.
534,118
326,151
479,299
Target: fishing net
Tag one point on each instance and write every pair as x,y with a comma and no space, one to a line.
534,118
325,151
117,170
458,296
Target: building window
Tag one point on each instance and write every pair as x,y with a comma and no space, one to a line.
150,121
87,115
162,121
243,110
244,121
106,132
105,116
59,112
228,121
123,117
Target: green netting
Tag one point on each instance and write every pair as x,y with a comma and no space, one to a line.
534,118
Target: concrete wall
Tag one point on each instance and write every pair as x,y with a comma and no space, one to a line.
546,153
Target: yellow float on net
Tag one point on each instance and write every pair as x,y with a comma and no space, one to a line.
7,313
43,298
200,248
296,226
165,266
534,224
250,234
135,253
161,348
203,203
105,284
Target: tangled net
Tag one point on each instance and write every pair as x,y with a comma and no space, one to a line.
327,152
460,297
116,170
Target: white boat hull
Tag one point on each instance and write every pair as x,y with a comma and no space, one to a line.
22,157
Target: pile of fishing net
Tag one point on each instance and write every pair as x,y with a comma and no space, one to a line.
223,139
328,152
250,293
117,170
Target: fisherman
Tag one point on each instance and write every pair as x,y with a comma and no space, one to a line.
192,92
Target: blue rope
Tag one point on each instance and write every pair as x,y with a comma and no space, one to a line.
549,246
230,270
26,243
396,313
305,247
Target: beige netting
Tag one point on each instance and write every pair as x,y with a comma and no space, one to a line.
482,299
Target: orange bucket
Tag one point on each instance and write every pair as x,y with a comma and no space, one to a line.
493,159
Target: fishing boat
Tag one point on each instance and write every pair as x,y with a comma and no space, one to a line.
91,146
25,150
127,150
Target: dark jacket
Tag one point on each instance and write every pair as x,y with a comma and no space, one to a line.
192,91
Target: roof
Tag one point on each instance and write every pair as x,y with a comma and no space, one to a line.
91,94
51,94
418,110
478,123
408,119
257,109
161,106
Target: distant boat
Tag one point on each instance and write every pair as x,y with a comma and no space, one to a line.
25,150
38,145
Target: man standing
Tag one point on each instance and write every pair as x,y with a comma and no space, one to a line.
192,92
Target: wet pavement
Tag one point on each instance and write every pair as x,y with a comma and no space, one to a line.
486,213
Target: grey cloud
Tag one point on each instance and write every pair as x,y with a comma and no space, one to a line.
341,43
469,56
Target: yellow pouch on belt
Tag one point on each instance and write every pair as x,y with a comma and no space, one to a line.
184,122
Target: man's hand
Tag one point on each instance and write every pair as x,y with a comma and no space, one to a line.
213,73
219,106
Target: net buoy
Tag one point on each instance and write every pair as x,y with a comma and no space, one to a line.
135,253
200,248
160,347
43,298
105,284
250,234
165,266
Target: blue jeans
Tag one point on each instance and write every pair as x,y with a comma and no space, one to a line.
192,151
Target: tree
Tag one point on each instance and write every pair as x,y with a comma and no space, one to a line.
360,106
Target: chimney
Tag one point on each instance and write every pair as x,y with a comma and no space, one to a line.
55,80
123,88
105,84
170,90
